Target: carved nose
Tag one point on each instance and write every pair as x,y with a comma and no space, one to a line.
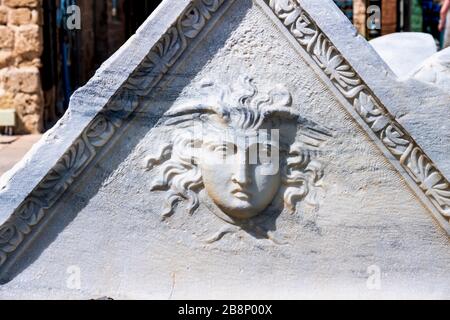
241,177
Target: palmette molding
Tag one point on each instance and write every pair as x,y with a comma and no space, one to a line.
426,176
32,213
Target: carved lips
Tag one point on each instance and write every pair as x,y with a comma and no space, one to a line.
241,194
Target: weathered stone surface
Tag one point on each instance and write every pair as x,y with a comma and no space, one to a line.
30,123
19,16
37,16
3,15
393,48
6,37
435,70
6,58
6,99
362,179
389,16
28,43
28,104
25,80
21,90
22,3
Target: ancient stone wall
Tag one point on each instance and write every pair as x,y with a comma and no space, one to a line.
21,46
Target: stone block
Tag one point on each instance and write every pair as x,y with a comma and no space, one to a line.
6,100
26,80
151,185
6,37
3,15
28,41
28,104
37,16
6,58
29,111
394,47
435,70
22,3
19,16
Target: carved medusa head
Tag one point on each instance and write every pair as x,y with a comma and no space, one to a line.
245,149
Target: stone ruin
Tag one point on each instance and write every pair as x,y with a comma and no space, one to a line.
128,196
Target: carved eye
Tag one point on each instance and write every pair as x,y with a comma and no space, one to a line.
226,149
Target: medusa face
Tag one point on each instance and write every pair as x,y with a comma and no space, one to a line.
241,170
252,148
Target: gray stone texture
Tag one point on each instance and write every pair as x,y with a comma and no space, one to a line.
108,225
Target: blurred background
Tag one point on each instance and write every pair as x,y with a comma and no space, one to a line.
42,62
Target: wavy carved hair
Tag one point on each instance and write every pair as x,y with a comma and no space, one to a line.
243,108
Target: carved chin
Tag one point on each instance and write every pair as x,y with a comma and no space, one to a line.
240,210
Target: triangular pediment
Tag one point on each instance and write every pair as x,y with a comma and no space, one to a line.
297,66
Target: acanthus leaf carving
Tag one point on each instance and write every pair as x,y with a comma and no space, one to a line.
430,180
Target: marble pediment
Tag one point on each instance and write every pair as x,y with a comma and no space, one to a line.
232,149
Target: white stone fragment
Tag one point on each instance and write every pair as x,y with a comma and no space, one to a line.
404,51
435,70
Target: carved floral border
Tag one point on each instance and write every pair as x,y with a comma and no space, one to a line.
27,218
393,136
